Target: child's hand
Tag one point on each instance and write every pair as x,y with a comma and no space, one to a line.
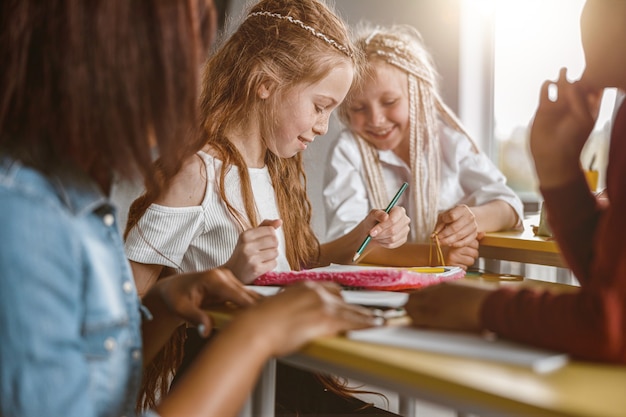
456,227
561,127
303,312
463,256
450,305
389,230
187,295
256,252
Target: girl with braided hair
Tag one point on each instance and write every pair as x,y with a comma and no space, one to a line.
400,130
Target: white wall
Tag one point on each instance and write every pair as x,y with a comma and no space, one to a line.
438,22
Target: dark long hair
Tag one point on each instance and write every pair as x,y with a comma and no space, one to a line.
100,84
103,85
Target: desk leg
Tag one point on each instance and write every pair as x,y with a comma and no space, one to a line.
406,406
493,265
500,267
264,394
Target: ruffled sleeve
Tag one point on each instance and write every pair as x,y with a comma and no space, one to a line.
163,235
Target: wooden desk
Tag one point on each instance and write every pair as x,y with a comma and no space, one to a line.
521,246
468,385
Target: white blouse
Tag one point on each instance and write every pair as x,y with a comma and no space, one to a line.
197,238
466,178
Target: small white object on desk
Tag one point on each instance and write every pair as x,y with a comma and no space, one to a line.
463,344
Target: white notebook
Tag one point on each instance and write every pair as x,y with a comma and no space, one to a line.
463,344
389,299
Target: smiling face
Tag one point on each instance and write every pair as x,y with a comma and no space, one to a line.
303,111
379,110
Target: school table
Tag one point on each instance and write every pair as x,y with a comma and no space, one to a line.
525,247
521,246
485,388
471,386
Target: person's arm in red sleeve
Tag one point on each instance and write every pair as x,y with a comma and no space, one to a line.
573,215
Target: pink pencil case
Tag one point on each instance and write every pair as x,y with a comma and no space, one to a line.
384,279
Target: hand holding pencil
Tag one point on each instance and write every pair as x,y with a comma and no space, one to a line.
394,226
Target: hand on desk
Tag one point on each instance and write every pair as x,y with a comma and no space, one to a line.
456,227
284,322
463,256
187,296
449,306
303,312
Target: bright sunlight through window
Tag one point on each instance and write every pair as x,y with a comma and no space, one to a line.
533,39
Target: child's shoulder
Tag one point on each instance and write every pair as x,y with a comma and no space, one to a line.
345,141
454,142
188,186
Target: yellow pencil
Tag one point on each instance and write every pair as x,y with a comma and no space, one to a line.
424,269
428,269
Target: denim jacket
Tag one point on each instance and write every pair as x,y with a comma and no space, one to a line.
70,339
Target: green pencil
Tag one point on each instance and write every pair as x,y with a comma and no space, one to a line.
393,202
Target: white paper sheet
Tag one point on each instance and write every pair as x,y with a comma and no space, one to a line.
389,299
463,344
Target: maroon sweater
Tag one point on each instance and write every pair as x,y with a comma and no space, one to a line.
590,323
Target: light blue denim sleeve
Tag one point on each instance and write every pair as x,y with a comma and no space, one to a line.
43,371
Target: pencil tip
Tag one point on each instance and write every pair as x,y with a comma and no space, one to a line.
356,256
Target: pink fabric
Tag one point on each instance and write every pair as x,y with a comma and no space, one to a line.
373,279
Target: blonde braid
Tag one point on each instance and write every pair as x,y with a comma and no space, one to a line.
431,151
451,120
416,149
375,183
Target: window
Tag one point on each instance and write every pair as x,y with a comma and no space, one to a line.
527,43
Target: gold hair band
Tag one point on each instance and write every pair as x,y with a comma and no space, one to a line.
308,28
